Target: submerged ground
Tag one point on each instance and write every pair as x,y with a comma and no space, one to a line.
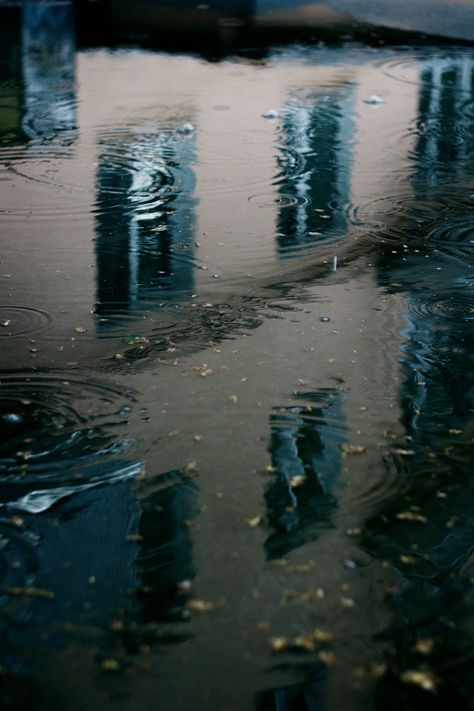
237,386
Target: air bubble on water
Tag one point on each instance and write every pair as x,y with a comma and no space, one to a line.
186,128
374,100
271,114
11,418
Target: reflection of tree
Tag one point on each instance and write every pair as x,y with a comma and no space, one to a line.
144,222
316,133
306,456
427,530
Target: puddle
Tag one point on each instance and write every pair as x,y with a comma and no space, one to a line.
236,387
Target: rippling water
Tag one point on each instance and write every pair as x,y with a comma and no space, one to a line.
236,372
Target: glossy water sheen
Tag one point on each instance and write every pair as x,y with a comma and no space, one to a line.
237,386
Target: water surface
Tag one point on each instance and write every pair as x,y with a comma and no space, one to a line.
236,387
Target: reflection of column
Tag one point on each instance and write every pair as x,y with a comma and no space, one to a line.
426,529
10,82
165,563
446,140
305,447
48,69
144,222
316,132
102,556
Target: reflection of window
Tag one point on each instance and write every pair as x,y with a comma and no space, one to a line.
445,122
144,221
314,168
305,448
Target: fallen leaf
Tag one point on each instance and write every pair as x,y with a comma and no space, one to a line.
30,592
200,605
253,522
352,448
425,680
411,516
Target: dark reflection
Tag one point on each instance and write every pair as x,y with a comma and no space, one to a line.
217,28
309,695
427,532
48,49
165,558
10,82
305,448
212,27
316,135
124,576
445,124
37,84
145,223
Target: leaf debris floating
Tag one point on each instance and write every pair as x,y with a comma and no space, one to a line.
196,605
30,592
425,680
352,448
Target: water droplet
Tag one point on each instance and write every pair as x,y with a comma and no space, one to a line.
186,128
11,418
271,114
374,100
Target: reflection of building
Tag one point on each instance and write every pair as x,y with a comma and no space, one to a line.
165,559
426,530
106,558
144,222
317,130
48,69
306,455
445,142
38,96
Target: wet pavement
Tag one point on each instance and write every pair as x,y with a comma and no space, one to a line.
237,384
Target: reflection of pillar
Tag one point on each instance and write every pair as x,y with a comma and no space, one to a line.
305,447
309,695
100,557
426,528
48,69
10,81
144,222
165,559
446,140
317,132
